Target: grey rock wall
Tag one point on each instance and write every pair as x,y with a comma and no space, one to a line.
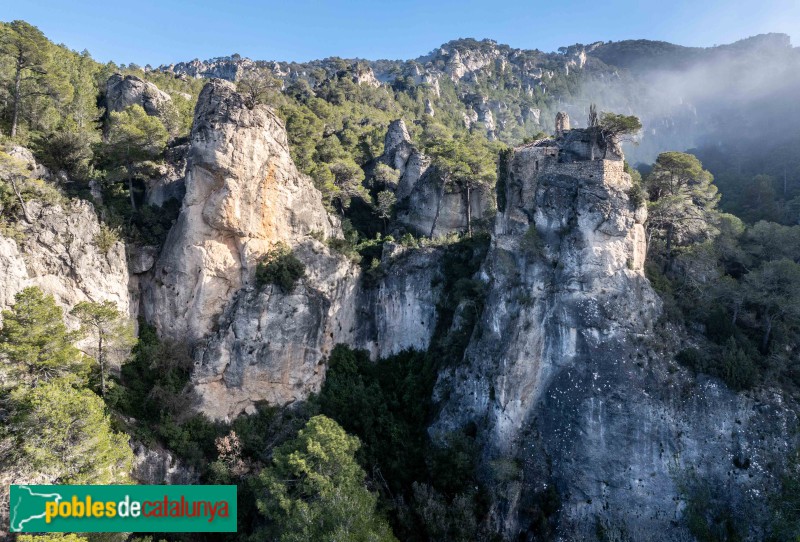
243,195
58,252
566,378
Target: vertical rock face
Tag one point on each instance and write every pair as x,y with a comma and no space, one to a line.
271,345
243,194
562,123
155,465
57,252
425,207
170,184
561,378
429,209
397,147
259,343
566,261
399,312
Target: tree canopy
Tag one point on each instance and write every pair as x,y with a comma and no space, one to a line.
35,345
314,489
133,141
683,200
111,333
464,163
65,435
617,125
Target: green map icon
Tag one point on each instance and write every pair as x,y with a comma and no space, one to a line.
27,507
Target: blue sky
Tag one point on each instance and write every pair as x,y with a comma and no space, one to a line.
156,32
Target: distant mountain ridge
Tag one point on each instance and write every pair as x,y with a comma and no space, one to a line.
683,94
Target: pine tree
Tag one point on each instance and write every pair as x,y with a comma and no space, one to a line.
134,140
35,345
683,202
27,48
110,329
464,164
314,489
385,205
65,435
774,293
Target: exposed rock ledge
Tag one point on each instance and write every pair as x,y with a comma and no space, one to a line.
243,195
58,253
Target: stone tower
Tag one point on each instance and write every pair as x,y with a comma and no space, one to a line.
562,123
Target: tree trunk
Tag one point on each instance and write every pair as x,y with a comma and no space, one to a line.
102,363
21,201
130,188
668,263
767,331
469,212
17,83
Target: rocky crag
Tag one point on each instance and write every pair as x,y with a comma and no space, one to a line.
425,206
682,94
124,91
563,376
252,343
243,195
58,252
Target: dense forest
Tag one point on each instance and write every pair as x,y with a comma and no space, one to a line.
354,462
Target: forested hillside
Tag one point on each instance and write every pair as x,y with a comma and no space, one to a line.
87,384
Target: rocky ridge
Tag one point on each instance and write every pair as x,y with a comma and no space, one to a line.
674,89
425,205
243,195
564,376
567,328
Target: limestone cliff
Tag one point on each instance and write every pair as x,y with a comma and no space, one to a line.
398,312
251,343
430,209
564,378
125,91
243,195
271,345
58,252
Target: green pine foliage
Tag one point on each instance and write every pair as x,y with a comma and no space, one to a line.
65,434
18,187
35,345
110,333
737,282
56,428
55,113
280,267
314,489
